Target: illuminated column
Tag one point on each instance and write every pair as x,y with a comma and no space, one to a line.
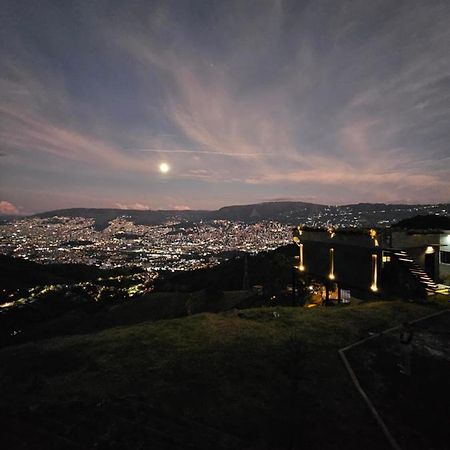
331,275
374,286
297,233
301,267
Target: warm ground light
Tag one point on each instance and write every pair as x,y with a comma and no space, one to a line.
259,380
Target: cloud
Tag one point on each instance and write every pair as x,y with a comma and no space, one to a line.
201,152
26,132
8,208
267,105
361,149
136,206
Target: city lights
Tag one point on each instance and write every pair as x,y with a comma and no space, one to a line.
171,245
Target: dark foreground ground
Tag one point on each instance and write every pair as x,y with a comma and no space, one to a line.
416,408
267,378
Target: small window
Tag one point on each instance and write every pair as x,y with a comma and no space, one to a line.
445,257
386,257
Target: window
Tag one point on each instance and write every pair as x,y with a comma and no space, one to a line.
445,257
386,258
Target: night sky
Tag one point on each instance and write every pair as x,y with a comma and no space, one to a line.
321,101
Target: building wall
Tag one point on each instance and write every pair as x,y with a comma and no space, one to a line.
352,264
360,239
444,269
353,257
444,272
405,240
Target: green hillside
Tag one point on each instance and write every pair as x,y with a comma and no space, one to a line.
263,378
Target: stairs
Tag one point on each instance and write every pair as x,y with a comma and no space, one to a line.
443,289
417,272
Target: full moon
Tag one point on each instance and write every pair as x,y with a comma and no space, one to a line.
164,167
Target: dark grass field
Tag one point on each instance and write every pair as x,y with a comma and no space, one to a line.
415,408
241,379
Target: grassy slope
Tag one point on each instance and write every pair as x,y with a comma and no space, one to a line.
148,307
232,372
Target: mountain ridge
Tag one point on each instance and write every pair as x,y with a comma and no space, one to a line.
368,214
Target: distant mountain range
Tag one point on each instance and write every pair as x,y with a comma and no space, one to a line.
253,213
365,214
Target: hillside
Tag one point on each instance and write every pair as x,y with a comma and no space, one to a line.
267,211
367,214
17,273
93,299
253,212
102,216
247,380
428,222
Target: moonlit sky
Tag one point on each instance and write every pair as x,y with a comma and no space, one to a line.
322,101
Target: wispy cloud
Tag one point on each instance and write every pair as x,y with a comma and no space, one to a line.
202,152
265,103
210,106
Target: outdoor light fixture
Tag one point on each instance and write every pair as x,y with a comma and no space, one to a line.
331,232
296,239
331,275
301,267
429,250
374,287
373,236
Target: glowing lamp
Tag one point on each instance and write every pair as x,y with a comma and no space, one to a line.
373,286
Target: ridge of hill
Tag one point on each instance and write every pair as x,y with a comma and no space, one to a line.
285,212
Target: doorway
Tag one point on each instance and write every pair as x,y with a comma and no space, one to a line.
429,264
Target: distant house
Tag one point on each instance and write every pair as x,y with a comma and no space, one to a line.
395,261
